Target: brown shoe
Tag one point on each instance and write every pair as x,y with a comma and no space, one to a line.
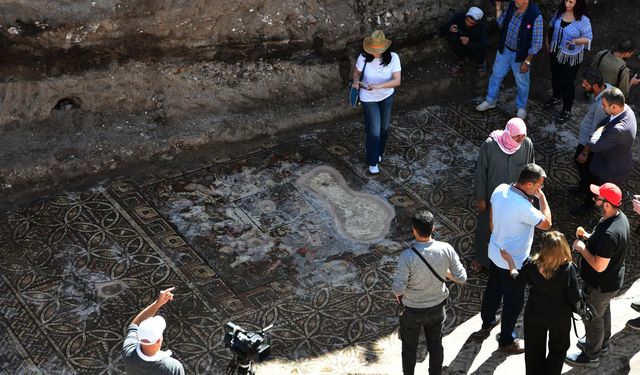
516,347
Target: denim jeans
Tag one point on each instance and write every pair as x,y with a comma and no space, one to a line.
500,288
504,62
431,320
598,331
377,118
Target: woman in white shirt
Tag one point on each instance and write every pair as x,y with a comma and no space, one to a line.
381,69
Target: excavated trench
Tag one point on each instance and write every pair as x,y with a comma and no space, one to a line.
88,88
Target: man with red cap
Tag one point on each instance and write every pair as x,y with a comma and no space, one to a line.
602,270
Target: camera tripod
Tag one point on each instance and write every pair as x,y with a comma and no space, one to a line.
240,366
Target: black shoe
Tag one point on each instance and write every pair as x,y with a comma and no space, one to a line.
552,101
636,306
634,324
581,360
485,330
489,327
563,117
603,350
576,190
581,210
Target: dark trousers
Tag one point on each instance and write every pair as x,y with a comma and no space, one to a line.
558,325
598,330
475,51
500,288
431,320
563,81
583,169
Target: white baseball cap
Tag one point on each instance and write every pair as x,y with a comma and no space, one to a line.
150,330
475,13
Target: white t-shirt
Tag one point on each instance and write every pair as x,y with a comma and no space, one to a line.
514,221
374,74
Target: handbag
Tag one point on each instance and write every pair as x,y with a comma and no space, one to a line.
400,307
583,308
354,93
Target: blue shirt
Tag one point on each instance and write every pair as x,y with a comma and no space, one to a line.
513,30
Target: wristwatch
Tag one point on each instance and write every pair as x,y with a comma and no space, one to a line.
527,62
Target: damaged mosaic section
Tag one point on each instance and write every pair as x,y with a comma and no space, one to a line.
359,216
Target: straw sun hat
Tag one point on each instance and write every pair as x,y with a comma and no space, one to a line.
376,43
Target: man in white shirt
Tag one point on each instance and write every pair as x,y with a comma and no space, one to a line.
513,221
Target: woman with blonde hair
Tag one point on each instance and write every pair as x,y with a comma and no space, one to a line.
553,294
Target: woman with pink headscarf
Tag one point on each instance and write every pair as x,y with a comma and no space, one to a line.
502,156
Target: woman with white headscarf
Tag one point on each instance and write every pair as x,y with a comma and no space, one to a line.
502,156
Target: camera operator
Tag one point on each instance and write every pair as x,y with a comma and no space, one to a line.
141,348
602,270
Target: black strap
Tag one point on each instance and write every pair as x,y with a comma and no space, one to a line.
573,317
604,53
427,263
363,68
620,75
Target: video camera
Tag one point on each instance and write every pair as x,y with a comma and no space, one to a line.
247,345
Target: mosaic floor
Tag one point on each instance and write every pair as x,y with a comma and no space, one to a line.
244,241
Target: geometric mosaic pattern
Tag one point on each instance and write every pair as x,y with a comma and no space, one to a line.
242,242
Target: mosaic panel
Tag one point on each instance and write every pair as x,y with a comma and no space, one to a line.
243,243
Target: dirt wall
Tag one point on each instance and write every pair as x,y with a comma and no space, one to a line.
178,56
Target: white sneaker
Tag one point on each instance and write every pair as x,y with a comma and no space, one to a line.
522,113
373,169
484,106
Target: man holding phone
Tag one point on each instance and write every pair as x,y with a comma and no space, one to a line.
513,221
602,269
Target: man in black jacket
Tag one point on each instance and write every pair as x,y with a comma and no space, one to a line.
467,37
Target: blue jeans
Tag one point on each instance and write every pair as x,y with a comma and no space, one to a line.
504,62
411,323
500,288
377,118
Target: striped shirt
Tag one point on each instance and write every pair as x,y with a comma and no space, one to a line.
513,29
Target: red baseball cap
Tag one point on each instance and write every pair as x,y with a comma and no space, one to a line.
610,192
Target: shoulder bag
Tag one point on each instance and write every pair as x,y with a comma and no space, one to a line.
583,308
354,94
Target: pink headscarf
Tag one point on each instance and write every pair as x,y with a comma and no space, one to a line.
508,145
